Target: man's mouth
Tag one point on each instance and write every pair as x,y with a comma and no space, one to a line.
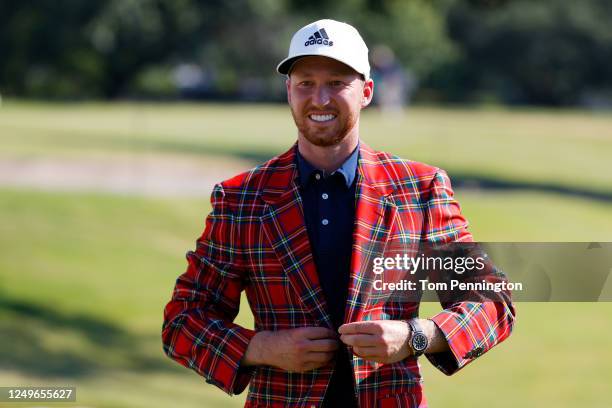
322,118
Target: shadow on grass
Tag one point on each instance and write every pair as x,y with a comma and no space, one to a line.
460,180
472,181
75,139
38,340
261,154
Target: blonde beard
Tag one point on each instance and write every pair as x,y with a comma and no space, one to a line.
316,140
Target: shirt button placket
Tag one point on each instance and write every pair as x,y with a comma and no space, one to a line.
326,237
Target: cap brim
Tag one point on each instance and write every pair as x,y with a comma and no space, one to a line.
285,65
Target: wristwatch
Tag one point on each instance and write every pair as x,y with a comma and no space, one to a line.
418,340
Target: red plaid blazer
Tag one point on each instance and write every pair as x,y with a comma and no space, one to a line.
255,240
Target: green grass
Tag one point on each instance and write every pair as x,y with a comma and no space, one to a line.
541,364
84,278
562,148
528,216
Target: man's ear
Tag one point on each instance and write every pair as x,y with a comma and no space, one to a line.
368,93
288,85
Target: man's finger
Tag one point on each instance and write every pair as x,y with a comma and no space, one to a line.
367,353
359,339
370,327
323,345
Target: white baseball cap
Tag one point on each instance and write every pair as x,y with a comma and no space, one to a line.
328,38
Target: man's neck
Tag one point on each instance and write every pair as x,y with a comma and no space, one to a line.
327,158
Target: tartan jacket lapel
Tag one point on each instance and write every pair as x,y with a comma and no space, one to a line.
374,217
284,225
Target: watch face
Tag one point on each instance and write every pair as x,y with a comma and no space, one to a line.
419,342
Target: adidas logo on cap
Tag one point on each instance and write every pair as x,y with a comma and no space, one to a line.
319,37
347,46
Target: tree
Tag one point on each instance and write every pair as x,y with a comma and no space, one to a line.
545,52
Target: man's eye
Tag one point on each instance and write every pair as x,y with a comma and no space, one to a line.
336,83
305,83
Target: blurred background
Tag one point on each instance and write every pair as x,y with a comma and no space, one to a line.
117,117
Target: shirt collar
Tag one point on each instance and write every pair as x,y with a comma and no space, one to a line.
348,169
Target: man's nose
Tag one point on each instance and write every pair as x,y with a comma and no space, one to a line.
320,97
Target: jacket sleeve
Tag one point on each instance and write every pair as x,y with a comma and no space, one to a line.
198,329
475,324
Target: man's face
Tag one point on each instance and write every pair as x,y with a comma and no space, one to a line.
326,98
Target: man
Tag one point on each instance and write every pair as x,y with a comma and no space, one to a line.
298,234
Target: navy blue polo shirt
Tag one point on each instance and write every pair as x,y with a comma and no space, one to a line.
329,213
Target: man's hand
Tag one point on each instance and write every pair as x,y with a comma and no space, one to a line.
386,341
383,341
296,350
